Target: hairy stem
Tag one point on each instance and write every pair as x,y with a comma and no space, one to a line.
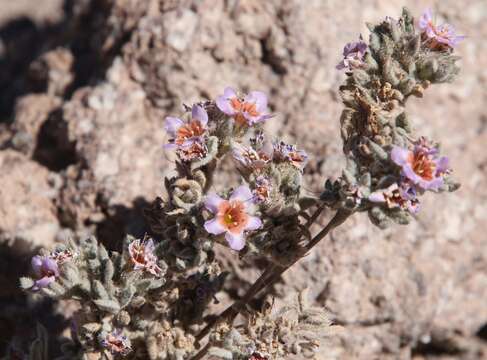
270,276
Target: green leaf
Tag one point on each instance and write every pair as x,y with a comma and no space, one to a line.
110,306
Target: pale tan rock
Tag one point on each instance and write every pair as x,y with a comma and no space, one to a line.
27,210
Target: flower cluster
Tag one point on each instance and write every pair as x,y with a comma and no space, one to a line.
353,55
150,299
438,37
247,110
188,137
116,343
389,168
142,256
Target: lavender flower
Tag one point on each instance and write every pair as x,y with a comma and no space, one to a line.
117,343
184,134
142,256
258,356
249,158
438,36
250,110
62,256
353,55
422,165
395,196
262,189
196,149
45,269
290,153
232,217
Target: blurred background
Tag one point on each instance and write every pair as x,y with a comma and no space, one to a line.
85,86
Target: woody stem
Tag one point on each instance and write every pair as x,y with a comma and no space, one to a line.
272,275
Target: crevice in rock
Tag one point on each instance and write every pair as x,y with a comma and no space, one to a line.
482,332
121,221
436,347
270,58
85,31
53,149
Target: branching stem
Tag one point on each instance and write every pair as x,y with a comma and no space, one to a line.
270,276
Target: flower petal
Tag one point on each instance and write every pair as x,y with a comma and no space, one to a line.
229,93
43,282
36,264
259,99
442,165
172,124
213,202
399,155
149,246
236,241
377,197
214,227
198,113
223,103
242,193
425,19
253,223
51,266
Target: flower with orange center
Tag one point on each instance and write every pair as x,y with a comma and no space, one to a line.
250,159
142,256
438,37
290,153
262,189
233,216
249,110
401,196
187,137
422,166
116,343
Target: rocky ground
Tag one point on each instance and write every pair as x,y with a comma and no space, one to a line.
85,88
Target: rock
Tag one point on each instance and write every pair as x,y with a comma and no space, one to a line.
397,294
31,112
180,27
27,210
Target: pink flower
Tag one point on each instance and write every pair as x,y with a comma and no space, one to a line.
250,110
142,256
291,154
45,269
438,37
397,196
262,189
117,343
232,216
187,137
249,158
422,166
353,55
62,256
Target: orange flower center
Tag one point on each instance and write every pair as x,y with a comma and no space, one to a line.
243,107
191,129
295,157
262,191
232,215
138,255
422,165
47,273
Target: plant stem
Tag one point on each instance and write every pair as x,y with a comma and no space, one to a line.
271,275
234,309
